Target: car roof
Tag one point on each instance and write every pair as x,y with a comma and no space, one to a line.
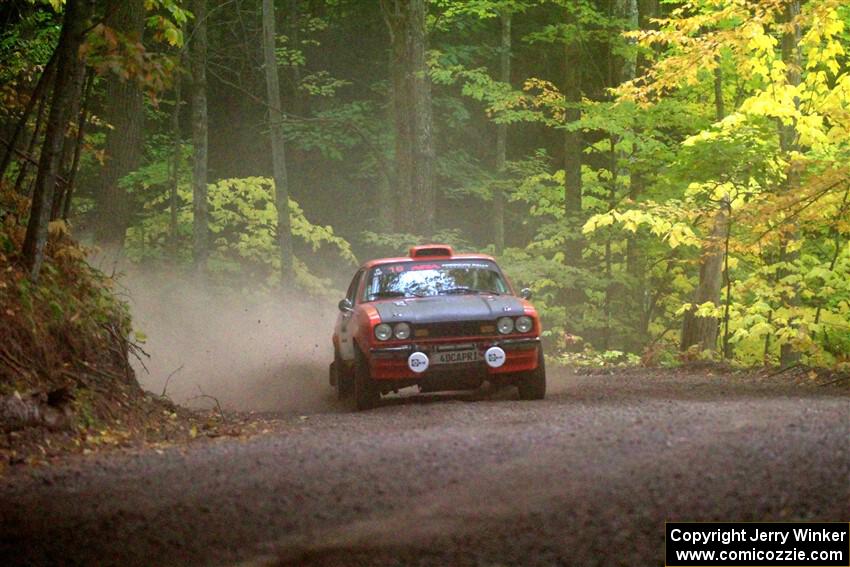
382,261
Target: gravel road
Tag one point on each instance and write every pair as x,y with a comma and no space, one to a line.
586,477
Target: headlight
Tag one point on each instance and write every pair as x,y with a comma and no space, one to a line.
383,332
505,325
524,324
402,331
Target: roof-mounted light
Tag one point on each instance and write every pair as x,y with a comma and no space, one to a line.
432,251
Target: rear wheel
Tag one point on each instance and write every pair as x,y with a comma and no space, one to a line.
532,384
366,394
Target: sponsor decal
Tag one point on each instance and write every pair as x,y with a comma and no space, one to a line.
418,362
494,357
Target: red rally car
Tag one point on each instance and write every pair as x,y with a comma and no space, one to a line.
437,320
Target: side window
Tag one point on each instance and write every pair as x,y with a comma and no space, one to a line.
352,289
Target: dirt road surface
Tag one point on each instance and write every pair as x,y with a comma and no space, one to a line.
586,477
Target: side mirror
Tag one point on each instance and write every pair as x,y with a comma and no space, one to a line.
525,293
345,305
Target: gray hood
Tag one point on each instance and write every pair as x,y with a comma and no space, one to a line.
443,308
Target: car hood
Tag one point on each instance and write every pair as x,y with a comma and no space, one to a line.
443,308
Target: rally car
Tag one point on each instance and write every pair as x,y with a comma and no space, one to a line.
436,320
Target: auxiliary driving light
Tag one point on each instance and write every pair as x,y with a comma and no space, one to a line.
494,357
418,362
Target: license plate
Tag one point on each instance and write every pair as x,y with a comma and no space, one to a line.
455,357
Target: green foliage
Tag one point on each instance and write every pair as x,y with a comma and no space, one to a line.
28,45
593,359
243,225
661,157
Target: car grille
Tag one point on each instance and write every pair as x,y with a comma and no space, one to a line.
455,329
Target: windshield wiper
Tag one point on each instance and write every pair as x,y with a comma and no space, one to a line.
459,290
394,294
384,294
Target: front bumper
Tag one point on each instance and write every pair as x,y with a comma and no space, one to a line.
390,362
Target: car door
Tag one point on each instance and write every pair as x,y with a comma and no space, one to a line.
345,325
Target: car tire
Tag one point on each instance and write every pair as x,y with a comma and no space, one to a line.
343,380
333,378
366,394
532,384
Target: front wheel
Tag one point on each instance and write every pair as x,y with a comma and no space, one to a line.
532,384
366,394
341,378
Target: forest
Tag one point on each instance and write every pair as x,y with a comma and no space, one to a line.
669,177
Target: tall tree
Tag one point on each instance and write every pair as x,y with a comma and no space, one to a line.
697,329
414,144
284,225
33,143
69,59
74,166
572,144
502,133
70,143
396,16
200,207
639,15
176,157
124,112
424,194
789,143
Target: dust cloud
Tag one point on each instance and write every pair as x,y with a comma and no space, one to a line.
253,352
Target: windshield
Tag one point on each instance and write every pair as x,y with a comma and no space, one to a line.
422,279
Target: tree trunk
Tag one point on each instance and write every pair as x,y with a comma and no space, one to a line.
414,146
176,159
70,142
502,138
295,43
397,15
78,148
647,11
200,206
703,330
788,143
424,195
621,69
284,227
75,21
638,16
297,103
36,132
384,197
628,11
124,112
573,214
